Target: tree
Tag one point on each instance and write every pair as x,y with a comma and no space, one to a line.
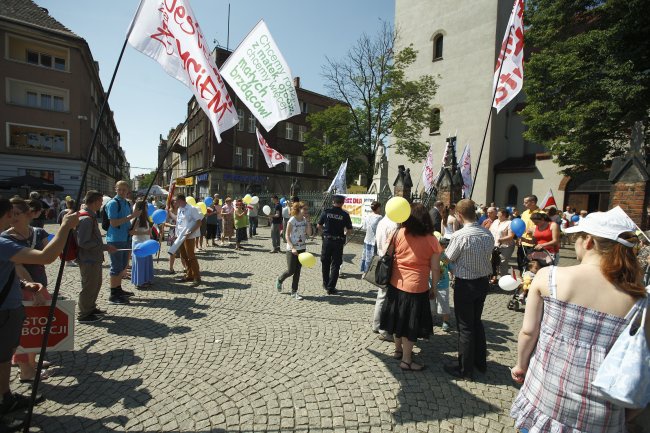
588,78
378,101
147,179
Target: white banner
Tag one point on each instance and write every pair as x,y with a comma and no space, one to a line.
511,79
427,171
272,156
168,32
466,171
260,76
339,182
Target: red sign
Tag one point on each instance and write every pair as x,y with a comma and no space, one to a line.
61,333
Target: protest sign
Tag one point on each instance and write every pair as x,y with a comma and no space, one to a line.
358,206
62,332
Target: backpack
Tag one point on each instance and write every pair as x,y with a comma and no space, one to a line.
106,223
73,248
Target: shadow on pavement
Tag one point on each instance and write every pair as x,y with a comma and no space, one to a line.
498,336
182,307
431,395
137,327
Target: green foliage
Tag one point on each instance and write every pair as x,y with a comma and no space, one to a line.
588,79
377,101
147,179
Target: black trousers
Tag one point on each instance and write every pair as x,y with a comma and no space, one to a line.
469,298
331,258
293,269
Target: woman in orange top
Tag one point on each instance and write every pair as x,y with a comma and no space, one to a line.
546,235
405,312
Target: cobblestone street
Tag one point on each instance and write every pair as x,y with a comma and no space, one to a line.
235,355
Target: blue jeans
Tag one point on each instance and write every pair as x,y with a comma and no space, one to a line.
119,259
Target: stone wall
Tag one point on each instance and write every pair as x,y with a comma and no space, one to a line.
633,198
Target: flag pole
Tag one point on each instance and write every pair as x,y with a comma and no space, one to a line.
502,56
48,327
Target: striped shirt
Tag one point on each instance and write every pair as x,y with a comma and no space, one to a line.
470,250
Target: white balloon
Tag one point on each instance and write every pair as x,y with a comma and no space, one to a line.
267,210
255,200
508,283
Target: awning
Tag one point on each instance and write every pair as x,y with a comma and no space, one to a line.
31,182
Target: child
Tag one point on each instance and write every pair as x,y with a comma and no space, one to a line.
297,231
440,304
142,270
241,224
533,268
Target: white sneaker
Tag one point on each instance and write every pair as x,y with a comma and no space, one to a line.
297,296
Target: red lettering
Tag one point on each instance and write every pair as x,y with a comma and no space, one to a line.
164,33
172,7
519,33
505,79
502,93
187,60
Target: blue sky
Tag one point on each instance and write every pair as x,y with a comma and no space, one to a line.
147,102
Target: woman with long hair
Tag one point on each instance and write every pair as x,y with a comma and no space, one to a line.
35,238
449,222
546,235
406,312
142,270
573,317
296,234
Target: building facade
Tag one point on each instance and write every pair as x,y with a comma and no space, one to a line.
458,42
50,99
236,166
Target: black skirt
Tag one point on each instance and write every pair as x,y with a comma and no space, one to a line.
406,314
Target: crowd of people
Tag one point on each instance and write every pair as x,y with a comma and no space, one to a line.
462,246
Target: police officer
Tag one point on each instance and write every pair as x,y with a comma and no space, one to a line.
335,223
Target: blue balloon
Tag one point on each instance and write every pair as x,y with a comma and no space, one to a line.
151,208
146,248
50,237
518,227
208,201
159,216
283,201
575,218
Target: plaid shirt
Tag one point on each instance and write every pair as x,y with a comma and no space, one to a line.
470,249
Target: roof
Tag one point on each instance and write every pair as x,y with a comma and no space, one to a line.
28,12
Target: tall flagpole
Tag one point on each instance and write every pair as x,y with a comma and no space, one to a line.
57,287
502,56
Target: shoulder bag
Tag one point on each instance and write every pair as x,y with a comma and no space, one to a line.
380,268
624,375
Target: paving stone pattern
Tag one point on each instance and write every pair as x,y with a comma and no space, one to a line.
235,355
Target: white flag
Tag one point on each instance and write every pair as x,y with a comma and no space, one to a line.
466,171
427,172
272,156
260,76
339,181
511,79
168,32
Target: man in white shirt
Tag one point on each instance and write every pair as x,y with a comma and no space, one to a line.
188,220
383,235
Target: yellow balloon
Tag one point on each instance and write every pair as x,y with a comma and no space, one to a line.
398,209
68,198
202,207
190,200
247,199
437,234
307,260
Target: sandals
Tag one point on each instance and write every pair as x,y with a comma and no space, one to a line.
44,376
409,368
398,354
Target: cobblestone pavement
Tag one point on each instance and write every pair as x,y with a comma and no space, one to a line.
236,355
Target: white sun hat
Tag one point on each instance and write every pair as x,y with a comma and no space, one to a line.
608,225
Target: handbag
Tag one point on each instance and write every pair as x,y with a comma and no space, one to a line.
369,276
385,264
624,375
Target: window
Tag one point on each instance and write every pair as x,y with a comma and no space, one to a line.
249,158
512,196
242,120
303,107
287,166
301,133
434,122
300,164
251,123
288,132
29,138
42,174
238,162
46,60
37,95
437,47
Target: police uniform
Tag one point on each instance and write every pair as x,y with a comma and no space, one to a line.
333,220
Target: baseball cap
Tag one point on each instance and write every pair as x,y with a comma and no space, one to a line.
608,225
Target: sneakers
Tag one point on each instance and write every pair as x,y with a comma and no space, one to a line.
125,293
12,402
99,312
89,318
278,285
445,326
332,292
118,299
297,296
